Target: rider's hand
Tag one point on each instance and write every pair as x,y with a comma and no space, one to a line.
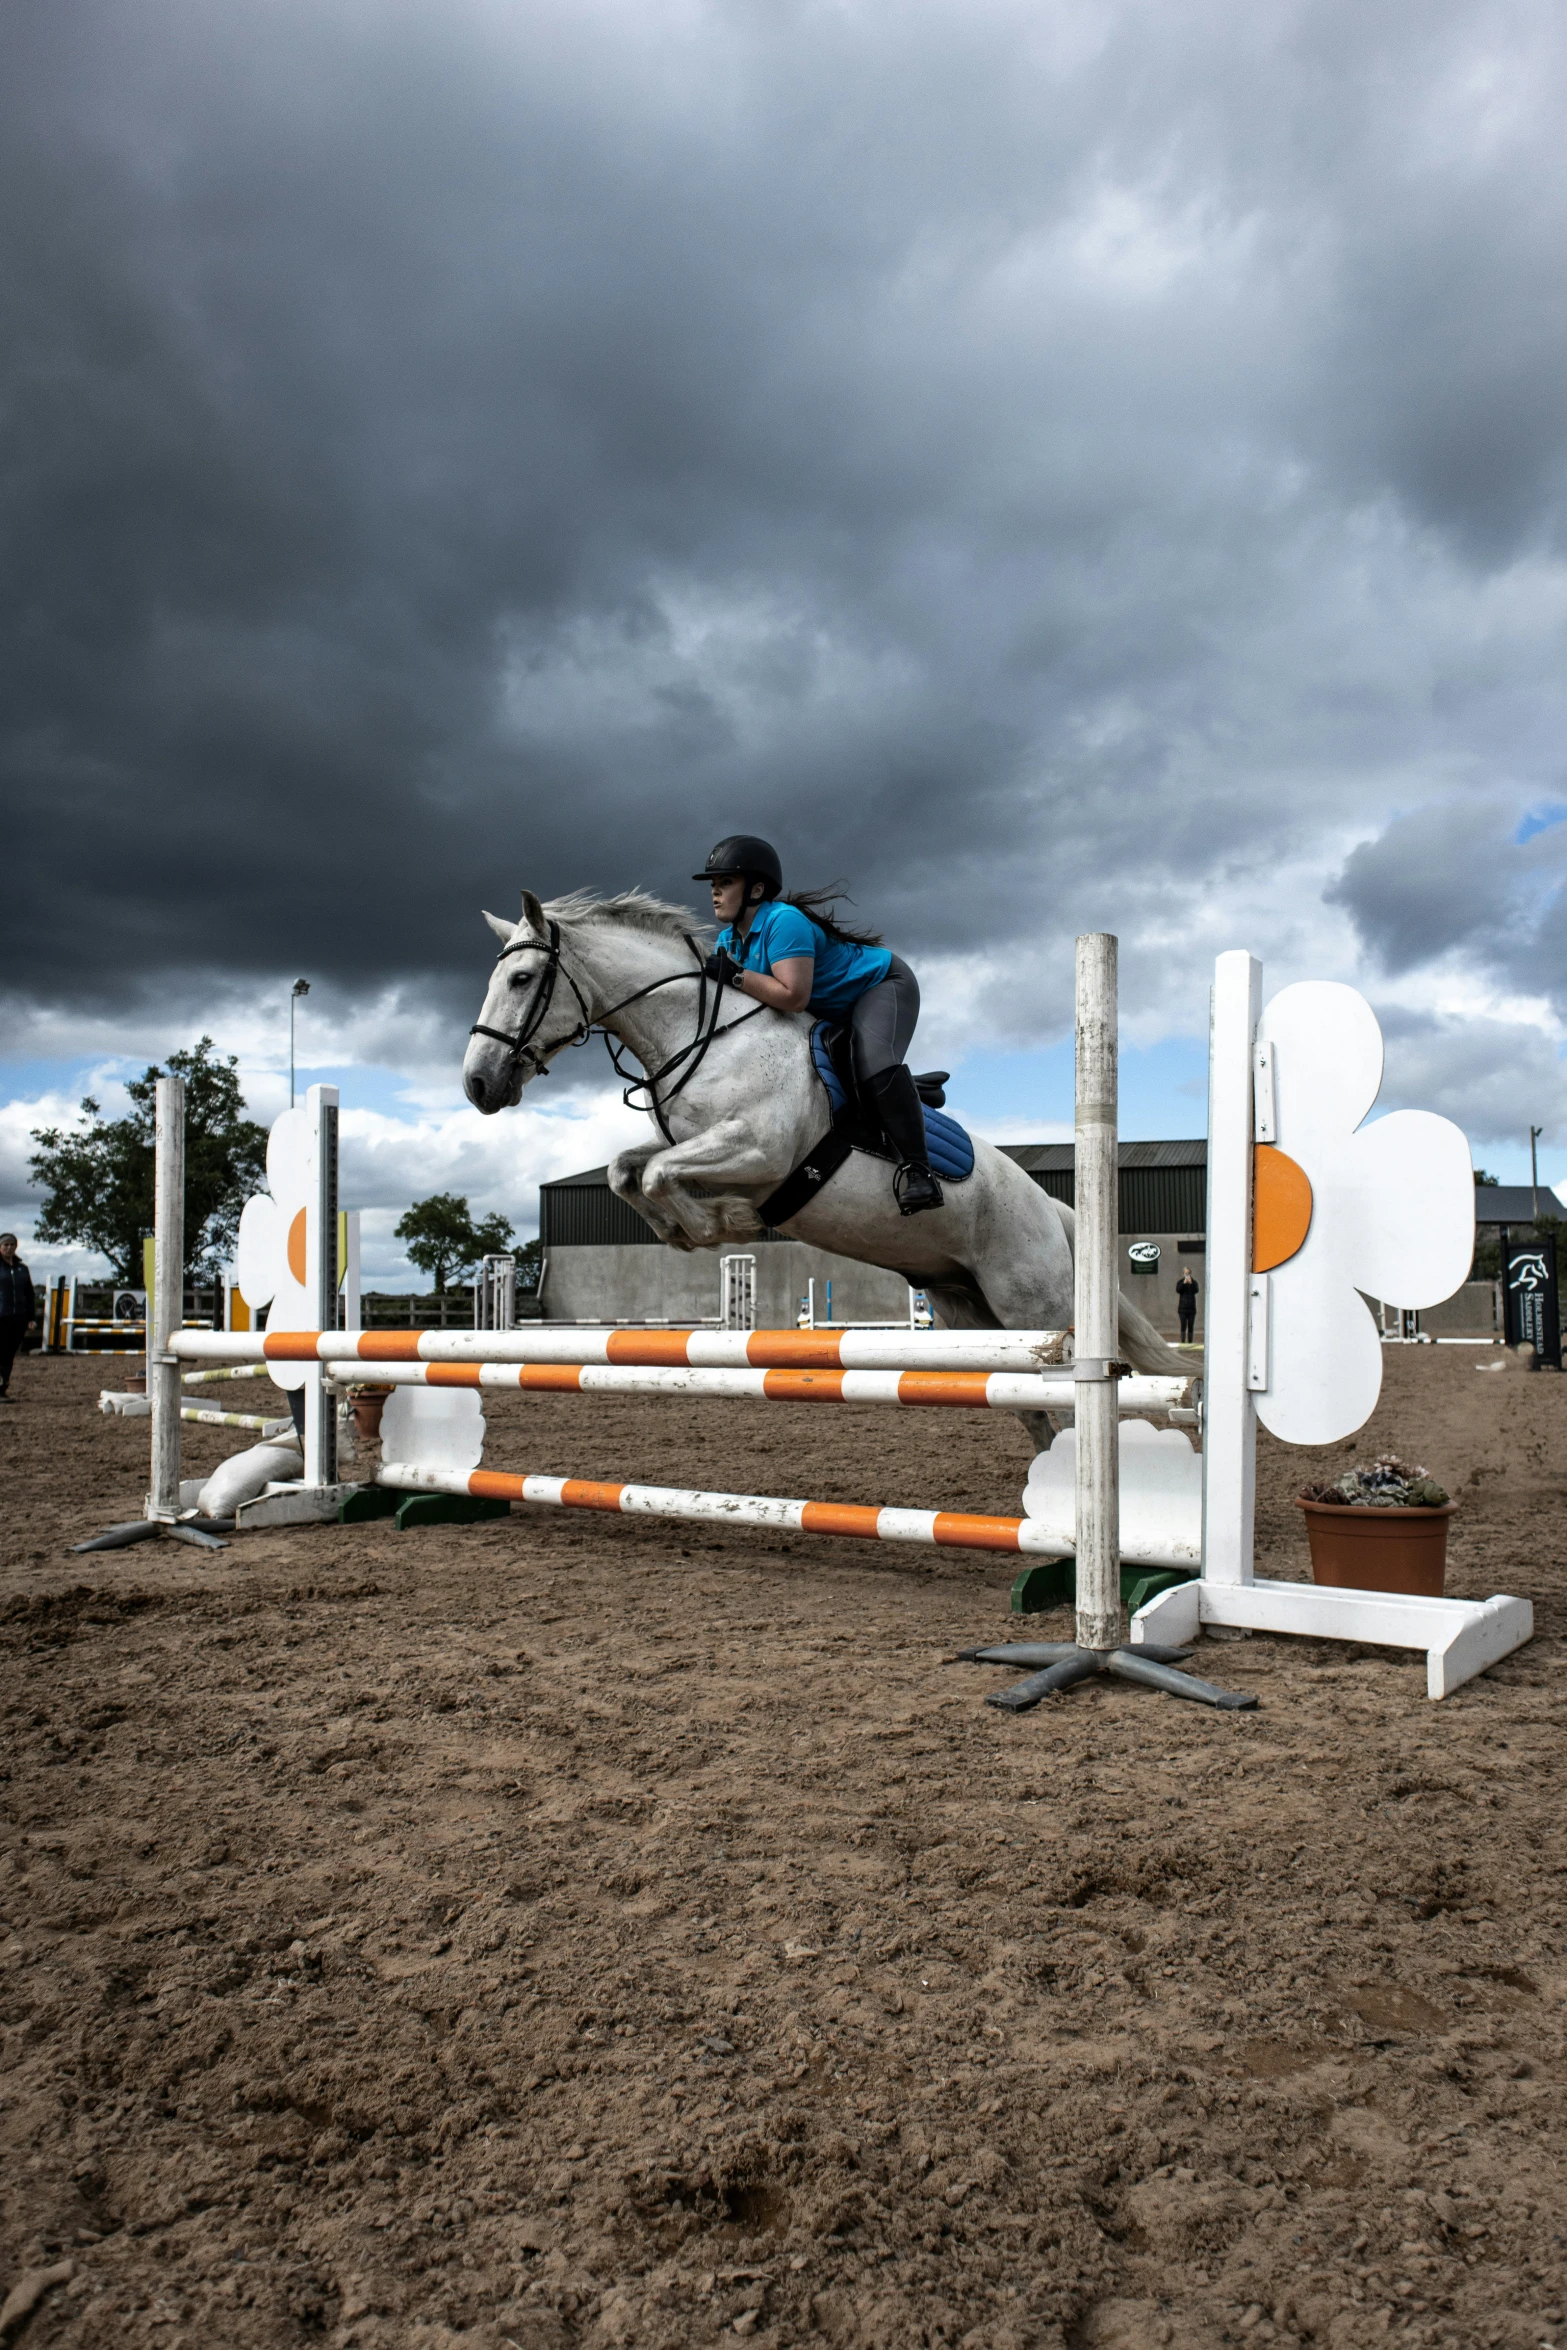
722,967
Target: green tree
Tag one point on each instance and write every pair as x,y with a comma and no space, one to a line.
445,1242
97,1178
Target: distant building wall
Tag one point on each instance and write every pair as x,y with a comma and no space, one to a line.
1472,1312
633,1283
606,1264
592,1282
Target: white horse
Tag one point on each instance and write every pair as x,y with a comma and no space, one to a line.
734,1119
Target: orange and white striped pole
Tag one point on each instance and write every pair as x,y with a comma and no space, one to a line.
762,1350
1005,1391
945,1529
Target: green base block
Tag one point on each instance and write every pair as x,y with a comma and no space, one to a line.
447,1509
1048,1583
370,1501
1053,1583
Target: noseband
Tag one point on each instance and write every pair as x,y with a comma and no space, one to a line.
520,1047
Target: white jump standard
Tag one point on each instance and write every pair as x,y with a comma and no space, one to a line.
1100,1643
1309,1207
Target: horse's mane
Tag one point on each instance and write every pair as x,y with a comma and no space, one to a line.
633,907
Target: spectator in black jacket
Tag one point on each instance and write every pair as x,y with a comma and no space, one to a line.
1186,1304
16,1307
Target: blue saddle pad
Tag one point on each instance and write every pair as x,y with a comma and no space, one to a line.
950,1150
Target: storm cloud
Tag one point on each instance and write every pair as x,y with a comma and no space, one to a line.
1091,465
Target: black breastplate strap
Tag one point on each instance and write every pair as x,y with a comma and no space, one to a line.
799,1189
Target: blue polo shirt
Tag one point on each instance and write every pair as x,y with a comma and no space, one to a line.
777,932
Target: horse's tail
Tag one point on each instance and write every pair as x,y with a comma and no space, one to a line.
1145,1350
1141,1344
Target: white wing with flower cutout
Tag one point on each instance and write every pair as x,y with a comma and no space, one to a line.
1389,1212
270,1257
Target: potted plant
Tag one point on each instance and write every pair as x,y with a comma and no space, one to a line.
367,1404
1382,1528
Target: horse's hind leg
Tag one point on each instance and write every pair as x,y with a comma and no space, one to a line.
1043,1427
959,1304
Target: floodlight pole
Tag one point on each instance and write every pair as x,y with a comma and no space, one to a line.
1535,1133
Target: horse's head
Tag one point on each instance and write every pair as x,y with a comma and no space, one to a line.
526,1014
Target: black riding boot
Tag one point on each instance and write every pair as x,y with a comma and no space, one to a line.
897,1105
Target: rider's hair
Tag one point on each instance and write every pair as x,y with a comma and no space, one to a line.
821,907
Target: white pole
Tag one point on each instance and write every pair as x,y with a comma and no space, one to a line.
1100,1624
166,1305
1229,1442
321,1282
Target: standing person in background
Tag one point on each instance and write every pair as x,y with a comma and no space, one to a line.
1186,1304
16,1307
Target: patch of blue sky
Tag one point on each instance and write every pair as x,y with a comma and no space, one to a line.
1541,819
362,1086
1024,1097
1509,1163
25,1080
366,1085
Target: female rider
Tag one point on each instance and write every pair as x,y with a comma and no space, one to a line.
790,953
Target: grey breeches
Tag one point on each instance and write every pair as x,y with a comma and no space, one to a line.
882,1022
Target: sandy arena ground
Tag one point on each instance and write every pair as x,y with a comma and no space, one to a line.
581,1931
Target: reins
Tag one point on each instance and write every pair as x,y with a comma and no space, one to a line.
521,1045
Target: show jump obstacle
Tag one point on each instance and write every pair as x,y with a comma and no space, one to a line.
1308,1206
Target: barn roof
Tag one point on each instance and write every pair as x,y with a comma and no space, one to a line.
1513,1203
1040,1158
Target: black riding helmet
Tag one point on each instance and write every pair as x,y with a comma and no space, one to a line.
743,853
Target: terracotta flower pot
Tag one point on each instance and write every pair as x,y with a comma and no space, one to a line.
367,1405
1360,1549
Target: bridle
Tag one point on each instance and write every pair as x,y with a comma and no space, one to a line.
520,1047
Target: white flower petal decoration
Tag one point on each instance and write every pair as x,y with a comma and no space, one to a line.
271,1254
1343,1208
259,1250
1160,1485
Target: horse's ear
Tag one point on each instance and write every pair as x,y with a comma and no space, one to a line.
533,913
502,930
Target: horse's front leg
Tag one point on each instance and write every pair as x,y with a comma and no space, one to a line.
626,1181
690,1178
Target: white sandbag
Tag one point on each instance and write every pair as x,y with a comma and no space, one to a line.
245,1474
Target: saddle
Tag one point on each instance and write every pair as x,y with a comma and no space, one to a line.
949,1151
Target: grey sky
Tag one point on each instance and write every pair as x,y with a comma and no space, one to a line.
1060,466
